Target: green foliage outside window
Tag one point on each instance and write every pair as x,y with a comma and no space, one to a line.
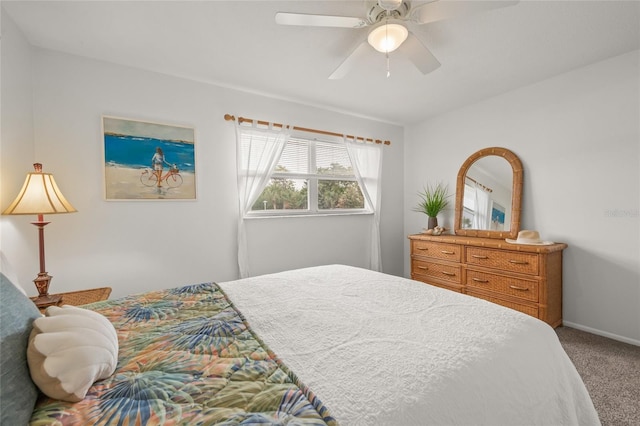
339,194
282,194
286,193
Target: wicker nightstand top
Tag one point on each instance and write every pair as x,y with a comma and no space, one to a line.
82,297
76,298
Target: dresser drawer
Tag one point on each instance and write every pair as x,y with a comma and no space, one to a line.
523,289
451,273
525,309
450,252
510,261
442,284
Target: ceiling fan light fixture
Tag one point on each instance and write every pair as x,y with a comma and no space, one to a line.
388,37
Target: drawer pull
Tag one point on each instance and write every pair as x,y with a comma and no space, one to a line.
422,248
447,252
515,287
451,274
519,262
477,256
422,267
478,280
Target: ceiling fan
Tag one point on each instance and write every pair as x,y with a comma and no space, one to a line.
390,22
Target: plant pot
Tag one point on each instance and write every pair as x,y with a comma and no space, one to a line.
433,222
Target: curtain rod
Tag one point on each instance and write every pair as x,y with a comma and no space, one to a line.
486,188
230,117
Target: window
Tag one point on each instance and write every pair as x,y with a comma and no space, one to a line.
476,203
469,206
311,177
297,176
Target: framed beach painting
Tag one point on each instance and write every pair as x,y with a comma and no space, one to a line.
148,161
497,217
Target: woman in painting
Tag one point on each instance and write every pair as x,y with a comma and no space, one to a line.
158,163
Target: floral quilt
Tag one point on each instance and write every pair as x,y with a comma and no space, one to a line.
188,357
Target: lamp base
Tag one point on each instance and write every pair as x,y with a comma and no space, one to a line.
44,299
43,302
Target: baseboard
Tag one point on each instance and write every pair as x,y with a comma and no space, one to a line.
602,333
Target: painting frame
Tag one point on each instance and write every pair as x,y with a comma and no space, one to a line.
148,160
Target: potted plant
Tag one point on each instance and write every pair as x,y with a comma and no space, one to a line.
433,199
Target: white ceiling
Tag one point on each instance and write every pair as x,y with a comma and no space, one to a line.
237,44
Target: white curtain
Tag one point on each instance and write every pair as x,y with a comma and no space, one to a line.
257,153
367,162
481,218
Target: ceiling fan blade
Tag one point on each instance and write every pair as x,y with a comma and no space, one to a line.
285,18
417,53
347,64
443,9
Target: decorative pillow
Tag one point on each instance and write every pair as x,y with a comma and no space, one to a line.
18,393
70,349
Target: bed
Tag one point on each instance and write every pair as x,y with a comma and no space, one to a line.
326,345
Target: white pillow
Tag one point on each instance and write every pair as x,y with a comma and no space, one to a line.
69,349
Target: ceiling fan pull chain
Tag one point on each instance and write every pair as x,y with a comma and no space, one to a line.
386,35
388,70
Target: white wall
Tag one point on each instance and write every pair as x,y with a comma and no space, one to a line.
578,137
16,147
134,246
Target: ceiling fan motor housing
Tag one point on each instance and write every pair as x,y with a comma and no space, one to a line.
389,4
381,9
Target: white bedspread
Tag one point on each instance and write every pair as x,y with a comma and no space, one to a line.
384,350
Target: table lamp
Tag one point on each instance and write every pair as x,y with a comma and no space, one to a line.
40,195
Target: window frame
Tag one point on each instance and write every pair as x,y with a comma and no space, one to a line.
313,177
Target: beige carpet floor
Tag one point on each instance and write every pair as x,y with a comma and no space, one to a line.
611,372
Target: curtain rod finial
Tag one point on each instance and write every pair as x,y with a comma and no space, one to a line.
229,117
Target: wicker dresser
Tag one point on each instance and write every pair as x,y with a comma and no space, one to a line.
527,278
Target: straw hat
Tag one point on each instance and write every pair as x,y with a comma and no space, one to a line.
529,237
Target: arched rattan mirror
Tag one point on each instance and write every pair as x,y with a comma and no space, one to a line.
489,194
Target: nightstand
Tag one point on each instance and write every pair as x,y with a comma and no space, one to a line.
75,298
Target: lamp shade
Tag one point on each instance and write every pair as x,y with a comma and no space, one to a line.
388,37
39,195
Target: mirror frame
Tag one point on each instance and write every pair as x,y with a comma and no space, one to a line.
516,194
